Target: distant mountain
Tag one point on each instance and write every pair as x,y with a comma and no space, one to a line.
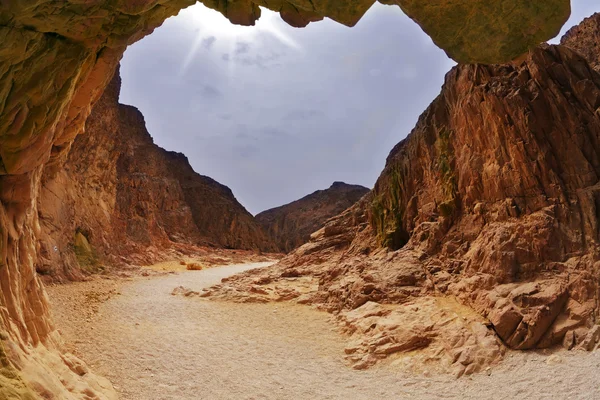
291,225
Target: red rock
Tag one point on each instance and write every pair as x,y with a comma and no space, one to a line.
591,339
57,57
133,201
585,39
492,199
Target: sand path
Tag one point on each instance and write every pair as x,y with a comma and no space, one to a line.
155,346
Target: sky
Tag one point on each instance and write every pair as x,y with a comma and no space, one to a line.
276,112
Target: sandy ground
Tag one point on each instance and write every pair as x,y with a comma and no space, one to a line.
156,346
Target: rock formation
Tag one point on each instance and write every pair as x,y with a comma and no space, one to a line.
291,225
122,199
56,59
481,31
585,39
491,200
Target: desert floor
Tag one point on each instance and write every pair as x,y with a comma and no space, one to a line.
153,346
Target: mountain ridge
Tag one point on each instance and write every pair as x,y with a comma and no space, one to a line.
291,224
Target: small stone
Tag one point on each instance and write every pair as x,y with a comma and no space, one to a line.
554,359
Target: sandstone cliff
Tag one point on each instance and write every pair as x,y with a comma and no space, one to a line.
56,59
122,199
492,200
291,225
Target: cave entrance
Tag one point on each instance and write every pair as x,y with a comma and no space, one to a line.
275,112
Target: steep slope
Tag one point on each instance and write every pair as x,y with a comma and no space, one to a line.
121,198
492,200
56,59
291,225
585,39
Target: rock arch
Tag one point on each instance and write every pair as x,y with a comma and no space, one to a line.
57,56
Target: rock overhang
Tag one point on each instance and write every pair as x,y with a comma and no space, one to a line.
58,55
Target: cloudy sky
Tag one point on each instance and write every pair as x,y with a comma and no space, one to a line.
276,112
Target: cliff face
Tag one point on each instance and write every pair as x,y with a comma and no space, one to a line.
291,225
56,59
122,199
585,39
493,199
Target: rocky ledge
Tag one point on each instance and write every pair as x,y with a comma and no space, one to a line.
481,233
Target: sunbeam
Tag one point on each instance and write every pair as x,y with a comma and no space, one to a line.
212,23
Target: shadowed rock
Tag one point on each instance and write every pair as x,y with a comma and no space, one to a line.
492,200
57,57
132,201
291,225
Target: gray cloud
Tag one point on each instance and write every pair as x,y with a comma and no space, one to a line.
209,91
261,61
208,42
303,115
241,48
278,117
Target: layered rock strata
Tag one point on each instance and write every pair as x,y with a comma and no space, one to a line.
122,199
291,225
491,200
56,59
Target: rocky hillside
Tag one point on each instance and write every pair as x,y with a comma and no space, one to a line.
291,225
585,39
57,57
492,200
120,199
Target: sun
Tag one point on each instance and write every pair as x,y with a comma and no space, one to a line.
209,23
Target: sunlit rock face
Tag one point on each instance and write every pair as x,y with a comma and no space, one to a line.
493,199
57,57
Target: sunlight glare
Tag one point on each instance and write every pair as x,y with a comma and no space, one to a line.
213,23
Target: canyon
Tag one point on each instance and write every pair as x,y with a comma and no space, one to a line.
292,224
481,233
85,208
58,57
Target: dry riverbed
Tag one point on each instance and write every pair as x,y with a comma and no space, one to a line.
156,346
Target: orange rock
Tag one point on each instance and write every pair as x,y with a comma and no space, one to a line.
492,199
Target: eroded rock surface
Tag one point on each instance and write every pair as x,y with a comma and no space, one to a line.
292,224
56,59
585,39
491,200
483,31
122,199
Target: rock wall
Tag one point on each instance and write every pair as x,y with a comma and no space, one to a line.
56,59
291,225
493,199
122,199
585,39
